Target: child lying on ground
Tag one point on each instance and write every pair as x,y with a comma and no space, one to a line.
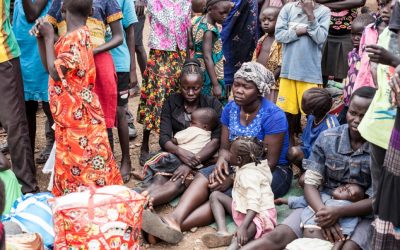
268,51
251,206
341,196
193,139
316,103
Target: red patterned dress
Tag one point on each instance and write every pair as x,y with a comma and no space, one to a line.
83,153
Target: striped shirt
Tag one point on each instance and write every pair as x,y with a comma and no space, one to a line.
8,44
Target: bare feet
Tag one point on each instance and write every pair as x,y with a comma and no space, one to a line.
125,170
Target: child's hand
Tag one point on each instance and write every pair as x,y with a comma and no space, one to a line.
241,236
217,91
378,54
301,31
280,201
42,28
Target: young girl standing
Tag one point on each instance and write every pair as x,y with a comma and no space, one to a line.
252,203
169,26
208,47
83,156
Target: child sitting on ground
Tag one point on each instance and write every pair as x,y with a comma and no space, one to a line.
193,139
208,47
316,103
12,189
302,28
354,59
252,203
341,196
268,51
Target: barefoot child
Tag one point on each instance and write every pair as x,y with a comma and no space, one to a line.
268,51
341,196
192,139
316,103
251,206
83,153
208,47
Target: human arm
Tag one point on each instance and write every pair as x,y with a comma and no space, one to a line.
318,27
4,163
241,231
208,38
282,32
342,4
274,144
221,170
378,54
115,41
33,9
130,40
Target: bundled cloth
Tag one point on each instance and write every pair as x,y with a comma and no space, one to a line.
24,242
104,218
32,213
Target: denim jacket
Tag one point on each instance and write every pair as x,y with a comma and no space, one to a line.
333,158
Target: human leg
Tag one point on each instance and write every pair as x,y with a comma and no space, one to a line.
165,193
31,108
13,118
194,196
144,149
110,138
202,216
49,133
122,125
377,159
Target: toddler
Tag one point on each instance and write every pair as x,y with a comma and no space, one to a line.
316,103
354,59
193,139
302,28
252,203
208,47
341,196
268,51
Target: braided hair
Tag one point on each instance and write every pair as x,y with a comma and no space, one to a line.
316,101
251,149
192,67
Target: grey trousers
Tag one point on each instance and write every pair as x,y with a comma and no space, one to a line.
14,121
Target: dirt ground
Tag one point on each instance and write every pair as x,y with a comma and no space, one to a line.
191,240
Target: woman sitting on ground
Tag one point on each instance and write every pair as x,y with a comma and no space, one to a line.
175,117
250,114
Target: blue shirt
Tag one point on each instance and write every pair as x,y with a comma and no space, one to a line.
334,159
121,55
310,133
269,120
35,77
301,59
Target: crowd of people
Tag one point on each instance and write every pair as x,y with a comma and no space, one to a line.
228,86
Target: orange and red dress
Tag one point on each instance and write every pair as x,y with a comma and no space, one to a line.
83,153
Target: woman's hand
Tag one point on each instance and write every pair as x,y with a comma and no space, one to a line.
188,158
220,172
224,185
181,173
333,233
327,216
378,54
395,86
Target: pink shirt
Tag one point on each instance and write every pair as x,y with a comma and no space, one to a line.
364,76
169,22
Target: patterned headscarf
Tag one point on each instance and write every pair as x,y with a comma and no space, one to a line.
255,72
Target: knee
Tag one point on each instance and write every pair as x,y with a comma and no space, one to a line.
350,245
215,197
293,154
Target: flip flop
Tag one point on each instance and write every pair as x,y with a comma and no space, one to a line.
154,225
214,240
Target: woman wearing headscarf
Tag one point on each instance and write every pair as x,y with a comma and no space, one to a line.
250,114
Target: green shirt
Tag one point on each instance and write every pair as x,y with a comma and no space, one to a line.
377,124
12,188
8,44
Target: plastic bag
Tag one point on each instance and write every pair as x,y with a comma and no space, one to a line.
49,167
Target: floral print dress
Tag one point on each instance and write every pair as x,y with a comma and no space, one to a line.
83,153
200,27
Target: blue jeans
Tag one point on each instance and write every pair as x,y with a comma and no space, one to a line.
281,179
